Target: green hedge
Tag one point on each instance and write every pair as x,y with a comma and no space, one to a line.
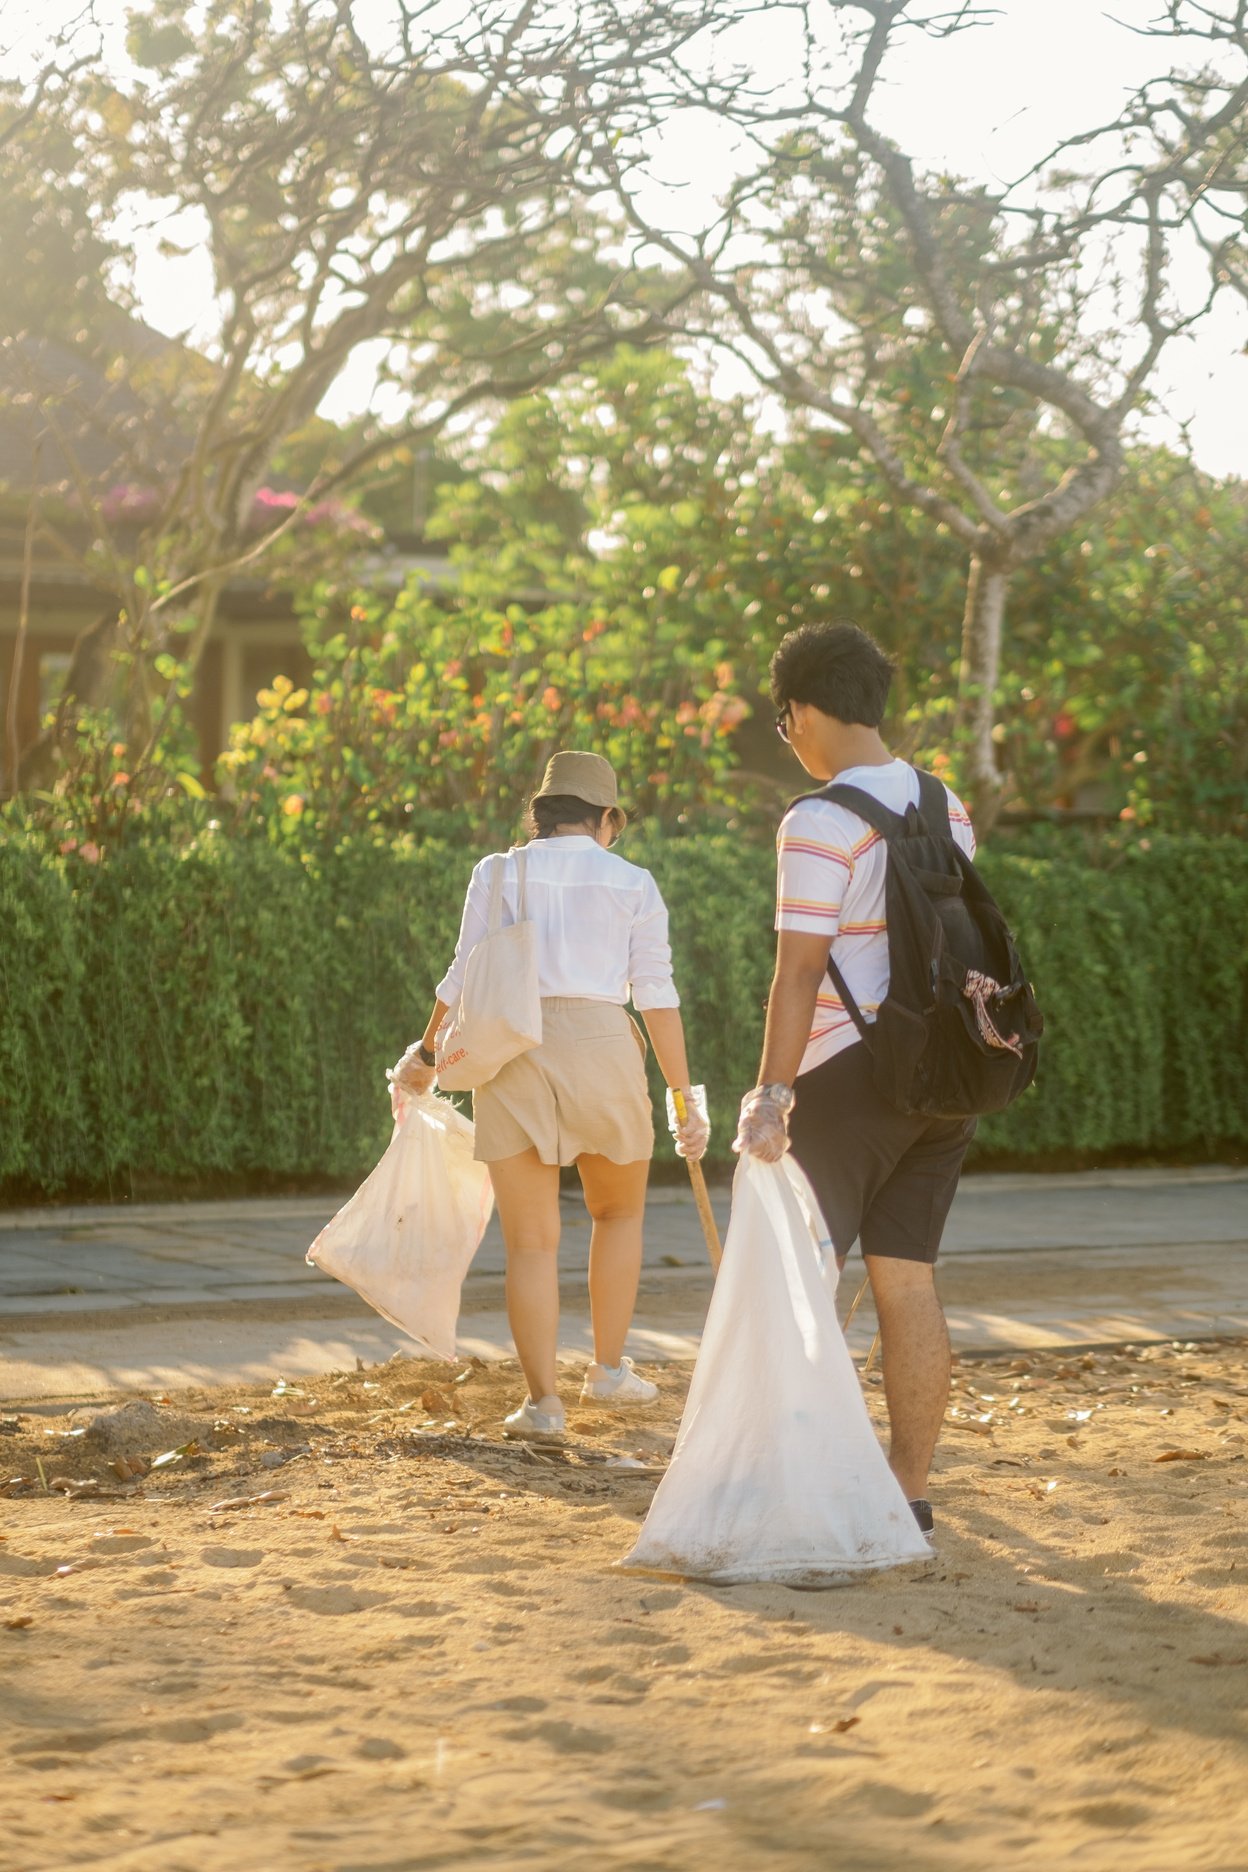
225,1014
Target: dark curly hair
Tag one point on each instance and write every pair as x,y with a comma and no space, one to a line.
836,668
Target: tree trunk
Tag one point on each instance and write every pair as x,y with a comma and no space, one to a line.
87,684
977,686
206,603
12,710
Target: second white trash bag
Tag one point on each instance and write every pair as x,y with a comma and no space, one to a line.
404,1241
777,1472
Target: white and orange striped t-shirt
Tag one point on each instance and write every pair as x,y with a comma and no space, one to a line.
830,867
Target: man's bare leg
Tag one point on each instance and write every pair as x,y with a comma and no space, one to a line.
917,1365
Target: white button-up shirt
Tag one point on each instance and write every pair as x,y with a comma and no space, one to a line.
601,924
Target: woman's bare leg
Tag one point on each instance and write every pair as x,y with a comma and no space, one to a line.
527,1193
615,1195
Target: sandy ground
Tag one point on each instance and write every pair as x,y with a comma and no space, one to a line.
348,1629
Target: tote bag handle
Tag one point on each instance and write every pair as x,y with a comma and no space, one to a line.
499,1013
494,916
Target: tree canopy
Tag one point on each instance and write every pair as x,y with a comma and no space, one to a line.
459,196
426,190
954,330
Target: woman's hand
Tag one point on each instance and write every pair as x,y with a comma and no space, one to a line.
411,1074
692,1132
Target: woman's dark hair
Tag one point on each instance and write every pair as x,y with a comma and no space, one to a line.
552,810
836,668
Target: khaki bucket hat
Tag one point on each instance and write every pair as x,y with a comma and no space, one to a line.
585,777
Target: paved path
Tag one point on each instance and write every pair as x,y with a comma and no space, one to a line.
100,1299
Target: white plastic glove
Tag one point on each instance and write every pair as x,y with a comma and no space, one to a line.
761,1128
411,1074
693,1133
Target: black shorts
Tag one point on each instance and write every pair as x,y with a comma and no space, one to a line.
880,1175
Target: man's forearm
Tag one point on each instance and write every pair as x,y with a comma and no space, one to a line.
790,1016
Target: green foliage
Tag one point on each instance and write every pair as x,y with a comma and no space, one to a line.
226,1010
626,553
439,708
418,188
1129,657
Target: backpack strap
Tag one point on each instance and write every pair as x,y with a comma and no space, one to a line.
934,807
887,823
879,817
850,1005
934,804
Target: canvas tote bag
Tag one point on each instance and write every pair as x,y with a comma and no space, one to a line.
499,1013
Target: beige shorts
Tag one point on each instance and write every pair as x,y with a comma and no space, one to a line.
582,1091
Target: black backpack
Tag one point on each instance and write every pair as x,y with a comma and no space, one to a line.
959,1031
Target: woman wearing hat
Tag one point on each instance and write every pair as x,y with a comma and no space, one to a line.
581,1096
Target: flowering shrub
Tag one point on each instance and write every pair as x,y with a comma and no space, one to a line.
605,560
128,502
444,717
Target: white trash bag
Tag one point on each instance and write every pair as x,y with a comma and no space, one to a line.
404,1241
777,1472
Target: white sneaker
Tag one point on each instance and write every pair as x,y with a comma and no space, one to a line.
535,1425
619,1385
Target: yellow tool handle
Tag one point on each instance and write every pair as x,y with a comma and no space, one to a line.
702,1201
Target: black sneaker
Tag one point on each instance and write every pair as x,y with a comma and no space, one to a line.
922,1512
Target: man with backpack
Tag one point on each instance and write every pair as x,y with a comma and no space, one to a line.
898,1011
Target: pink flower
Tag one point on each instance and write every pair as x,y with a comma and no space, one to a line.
90,851
127,500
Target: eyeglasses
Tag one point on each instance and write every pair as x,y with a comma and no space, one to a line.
782,723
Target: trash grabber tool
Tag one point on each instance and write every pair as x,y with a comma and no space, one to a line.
706,1214
857,1301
